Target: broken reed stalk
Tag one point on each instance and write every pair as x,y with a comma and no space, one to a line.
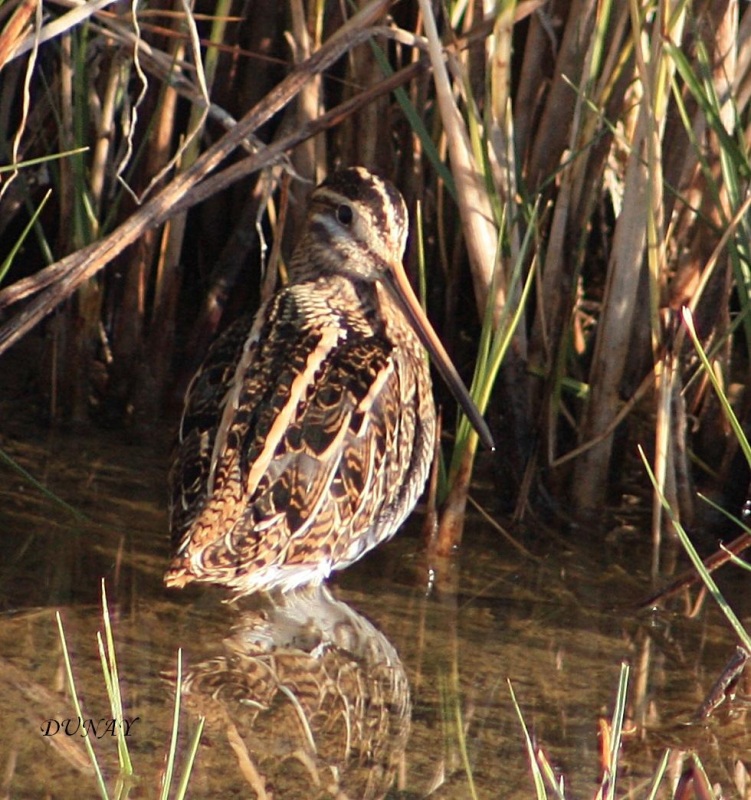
691,577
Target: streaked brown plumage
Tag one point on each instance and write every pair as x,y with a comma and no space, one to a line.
306,440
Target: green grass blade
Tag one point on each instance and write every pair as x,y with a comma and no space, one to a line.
16,467
556,783
725,513
170,768
7,263
734,559
462,740
112,681
616,729
453,725
540,792
493,348
699,90
192,753
727,409
31,162
706,577
101,786
659,775
417,124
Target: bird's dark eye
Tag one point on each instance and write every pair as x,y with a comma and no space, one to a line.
344,214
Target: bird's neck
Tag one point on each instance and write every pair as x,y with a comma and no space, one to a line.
366,307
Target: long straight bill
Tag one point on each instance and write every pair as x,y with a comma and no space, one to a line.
396,281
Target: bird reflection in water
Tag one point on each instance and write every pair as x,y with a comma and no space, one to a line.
314,700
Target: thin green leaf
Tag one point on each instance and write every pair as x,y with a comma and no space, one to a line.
112,681
727,409
540,791
417,124
190,760
32,162
170,767
659,775
16,467
616,729
101,786
706,577
7,263
725,513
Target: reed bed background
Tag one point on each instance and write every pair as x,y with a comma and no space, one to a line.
576,174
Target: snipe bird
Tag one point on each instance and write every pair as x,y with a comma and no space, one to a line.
307,438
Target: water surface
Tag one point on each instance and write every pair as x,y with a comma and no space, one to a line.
396,684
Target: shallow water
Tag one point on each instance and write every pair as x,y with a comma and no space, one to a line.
396,684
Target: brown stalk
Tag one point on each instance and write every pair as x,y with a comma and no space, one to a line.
579,189
44,278
479,226
76,329
551,137
480,234
274,153
158,252
453,511
15,29
614,335
481,240
666,374
364,138
309,158
703,232
649,380
691,577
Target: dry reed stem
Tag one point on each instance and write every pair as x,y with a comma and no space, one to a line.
551,137
79,14
579,126
691,577
501,127
26,96
481,240
200,191
648,381
480,231
613,343
13,32
187,149
665,371
562,267
308,159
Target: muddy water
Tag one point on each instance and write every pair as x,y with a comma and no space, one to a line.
395,683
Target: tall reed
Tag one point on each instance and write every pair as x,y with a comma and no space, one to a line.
582,172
